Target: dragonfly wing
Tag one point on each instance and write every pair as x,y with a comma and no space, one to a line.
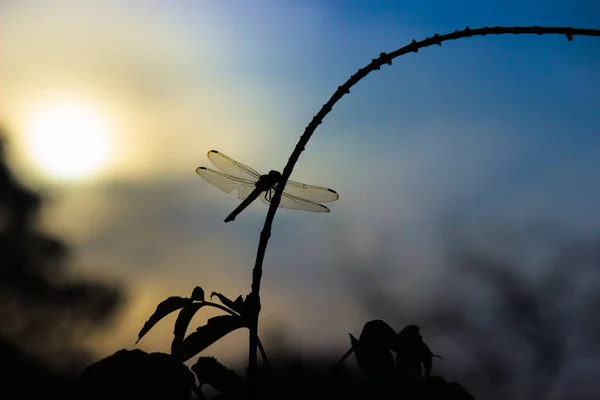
293,202
317,194
227,183
232,167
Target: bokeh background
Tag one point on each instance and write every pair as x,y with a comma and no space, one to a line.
468,177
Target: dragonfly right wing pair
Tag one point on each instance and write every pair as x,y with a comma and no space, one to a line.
236,176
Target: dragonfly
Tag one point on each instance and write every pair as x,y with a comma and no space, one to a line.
250,185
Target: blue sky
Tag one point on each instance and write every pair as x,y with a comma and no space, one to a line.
486,130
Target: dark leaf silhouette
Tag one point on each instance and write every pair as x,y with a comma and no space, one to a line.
183,320
372,350
210,371
237,305
411,352
215,329
198,294
377,332
149,376
165,308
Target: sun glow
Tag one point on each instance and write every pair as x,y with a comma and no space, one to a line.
68,140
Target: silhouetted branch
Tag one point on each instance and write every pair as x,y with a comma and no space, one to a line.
384,58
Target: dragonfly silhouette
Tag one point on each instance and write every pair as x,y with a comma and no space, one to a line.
250,185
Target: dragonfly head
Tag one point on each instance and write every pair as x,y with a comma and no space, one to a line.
275,175
266,182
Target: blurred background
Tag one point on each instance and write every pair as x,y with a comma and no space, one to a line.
468,181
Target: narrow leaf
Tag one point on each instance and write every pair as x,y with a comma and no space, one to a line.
165,308
215,329
198,294
183,320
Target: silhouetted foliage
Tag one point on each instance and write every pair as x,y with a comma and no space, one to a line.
209,371
44,316
408,374
185,348
135,373
384,376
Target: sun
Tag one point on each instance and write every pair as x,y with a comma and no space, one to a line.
68,140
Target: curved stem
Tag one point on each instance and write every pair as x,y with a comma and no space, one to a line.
344,89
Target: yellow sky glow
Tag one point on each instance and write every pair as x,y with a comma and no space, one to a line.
68,140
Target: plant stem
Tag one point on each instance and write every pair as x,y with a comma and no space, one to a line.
342,90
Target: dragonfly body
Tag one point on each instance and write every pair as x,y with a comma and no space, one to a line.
264,183
251,185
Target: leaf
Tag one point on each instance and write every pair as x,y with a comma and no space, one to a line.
412,351
198,294
183,320
150,376
377,333
165,308
210,371
215,329
372,350
237,305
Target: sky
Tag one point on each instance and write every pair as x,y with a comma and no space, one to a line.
495,131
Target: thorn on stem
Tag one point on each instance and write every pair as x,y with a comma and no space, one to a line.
415,46
569,37
385,57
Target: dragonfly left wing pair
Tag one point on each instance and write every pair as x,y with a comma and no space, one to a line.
250,185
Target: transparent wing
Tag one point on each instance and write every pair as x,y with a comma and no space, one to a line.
293,202
316,194
227,183
232,167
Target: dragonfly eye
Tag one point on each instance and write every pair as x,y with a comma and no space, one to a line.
275,174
